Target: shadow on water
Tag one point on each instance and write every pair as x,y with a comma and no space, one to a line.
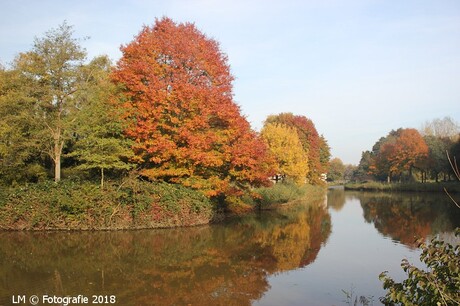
224,264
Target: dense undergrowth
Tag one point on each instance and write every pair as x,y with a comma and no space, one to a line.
84,205
130,204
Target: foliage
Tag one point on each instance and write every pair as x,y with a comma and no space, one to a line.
99,142
20,158
396,155
186,127
314,145
439,285
409,186
436,160
286,192
283,142
400,151
336,170
84,205
52,70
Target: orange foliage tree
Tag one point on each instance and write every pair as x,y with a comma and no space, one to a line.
178,101
400,151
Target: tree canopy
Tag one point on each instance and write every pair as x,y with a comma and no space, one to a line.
313,144
182,118
284,144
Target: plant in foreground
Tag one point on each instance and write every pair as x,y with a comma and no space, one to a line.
439,285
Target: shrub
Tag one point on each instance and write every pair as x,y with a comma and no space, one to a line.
280,193
439,285
72,204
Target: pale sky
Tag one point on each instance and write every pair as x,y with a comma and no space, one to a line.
357,68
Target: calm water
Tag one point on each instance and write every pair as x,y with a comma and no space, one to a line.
305,255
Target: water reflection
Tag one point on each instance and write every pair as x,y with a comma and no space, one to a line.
226,264
406,217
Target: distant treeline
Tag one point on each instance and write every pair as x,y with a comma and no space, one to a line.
406,155
413,155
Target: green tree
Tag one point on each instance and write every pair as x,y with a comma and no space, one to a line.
100,143
436,162
283,142
52,69
324,153
336,170
20,158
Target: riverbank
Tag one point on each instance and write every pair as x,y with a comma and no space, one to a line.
132,204
75,205
451,187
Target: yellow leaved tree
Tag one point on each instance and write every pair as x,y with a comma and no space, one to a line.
284,144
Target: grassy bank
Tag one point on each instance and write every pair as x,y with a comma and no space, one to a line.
452,187
284,193
72,205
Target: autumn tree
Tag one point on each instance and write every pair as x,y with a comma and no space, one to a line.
283,142
180,111
313,144
410,150
401,150
52,70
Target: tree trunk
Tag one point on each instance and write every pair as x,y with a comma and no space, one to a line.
57,159
102,178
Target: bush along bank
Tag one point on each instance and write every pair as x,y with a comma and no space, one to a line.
132,204
451,187
74,205
286,193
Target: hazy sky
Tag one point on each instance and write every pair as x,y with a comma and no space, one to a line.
358,69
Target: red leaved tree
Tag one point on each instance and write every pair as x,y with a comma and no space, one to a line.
179,104
401,150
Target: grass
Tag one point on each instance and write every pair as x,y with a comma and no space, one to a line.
452,187
283,193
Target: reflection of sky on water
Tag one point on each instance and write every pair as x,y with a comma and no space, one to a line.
354,256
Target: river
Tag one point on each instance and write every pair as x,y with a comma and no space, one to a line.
308,254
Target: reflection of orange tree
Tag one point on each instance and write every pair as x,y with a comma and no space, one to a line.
222,264
407,217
